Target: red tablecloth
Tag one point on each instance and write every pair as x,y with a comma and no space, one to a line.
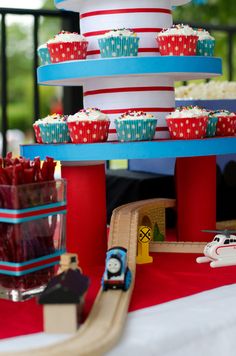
169,277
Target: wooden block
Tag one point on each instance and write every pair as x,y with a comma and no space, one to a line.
60,318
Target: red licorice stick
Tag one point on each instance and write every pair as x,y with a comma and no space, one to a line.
9,173
28,240
37,170
48,169
28,175
17,176
4,176
8,159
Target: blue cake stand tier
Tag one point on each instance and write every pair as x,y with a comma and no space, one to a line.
175,67
131,150
74,5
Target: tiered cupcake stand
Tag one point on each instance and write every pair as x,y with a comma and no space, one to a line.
114,85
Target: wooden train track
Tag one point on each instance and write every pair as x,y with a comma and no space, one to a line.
105,323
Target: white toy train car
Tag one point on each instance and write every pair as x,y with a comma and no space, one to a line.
221,251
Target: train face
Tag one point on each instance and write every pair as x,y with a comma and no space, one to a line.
116,270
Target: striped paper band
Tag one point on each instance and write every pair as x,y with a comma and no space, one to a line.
20,269
125,11
121,111
15,216
137,30
128,89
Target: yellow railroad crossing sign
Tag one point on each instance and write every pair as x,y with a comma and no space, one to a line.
144,237
145,234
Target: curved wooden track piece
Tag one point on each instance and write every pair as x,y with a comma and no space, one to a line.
105,323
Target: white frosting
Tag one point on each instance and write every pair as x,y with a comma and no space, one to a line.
204,35
136,115
184,30
180,113
222,113
118,33
67,37
42,46
90,114
52,119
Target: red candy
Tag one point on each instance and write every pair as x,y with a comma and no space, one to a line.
30,239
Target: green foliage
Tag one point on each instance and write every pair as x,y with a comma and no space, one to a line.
20,116
217,12
157,235
20,71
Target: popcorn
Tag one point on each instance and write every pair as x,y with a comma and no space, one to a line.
211,90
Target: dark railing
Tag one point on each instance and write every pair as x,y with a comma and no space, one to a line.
72,96
70,21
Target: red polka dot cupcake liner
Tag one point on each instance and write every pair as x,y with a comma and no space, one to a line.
177,45
226,126
37,133
88,131
187,128
67,51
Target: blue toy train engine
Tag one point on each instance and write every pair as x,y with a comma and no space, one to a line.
117,274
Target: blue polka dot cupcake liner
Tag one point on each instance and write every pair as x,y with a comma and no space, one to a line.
43,54
211,126
122,46
54,133
135,130
205,48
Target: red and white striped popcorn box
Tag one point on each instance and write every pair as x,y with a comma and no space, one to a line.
226,126
37,133
88,131
177,45
187,128
67,51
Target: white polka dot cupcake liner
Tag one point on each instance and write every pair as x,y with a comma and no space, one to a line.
226,126
135,130
211,126
44,56
205,48
54,132
187,128
122,46
88,131
177,45
37,133
67,51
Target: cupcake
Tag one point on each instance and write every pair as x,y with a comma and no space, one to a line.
211,125
135,126
88,125
226,123
205,43
43,54
118,43
187,123
37,131
179,40
53,129
67,46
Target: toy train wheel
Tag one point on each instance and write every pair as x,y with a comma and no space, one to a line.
104,286
128,279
